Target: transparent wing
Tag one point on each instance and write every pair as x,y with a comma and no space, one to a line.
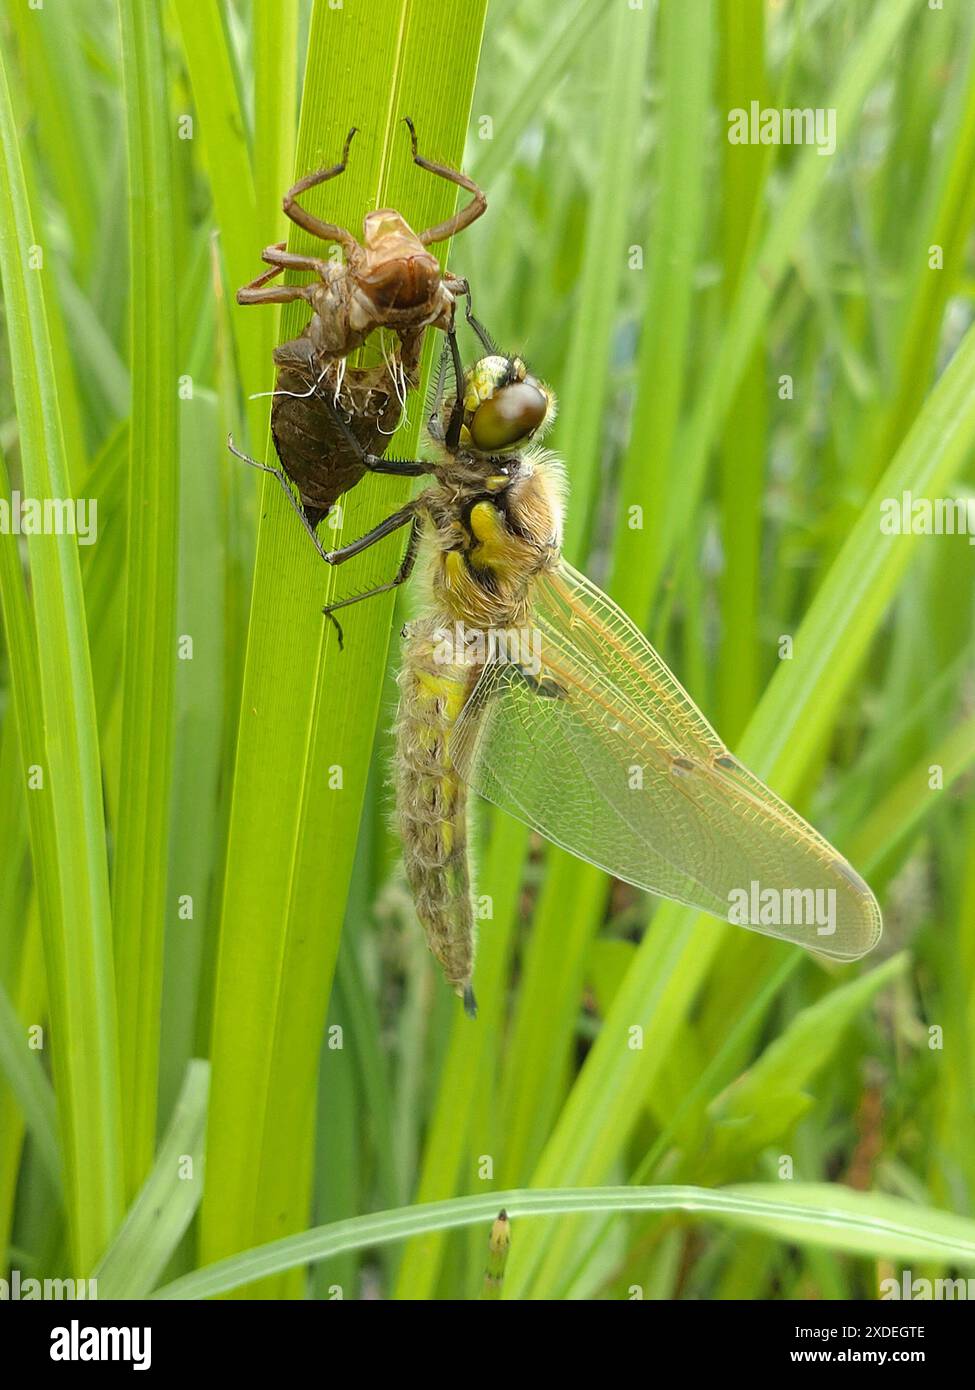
588,738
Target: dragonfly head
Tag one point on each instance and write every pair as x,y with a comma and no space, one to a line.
505,406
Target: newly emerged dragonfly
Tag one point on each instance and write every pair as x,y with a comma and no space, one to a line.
523,681
390,282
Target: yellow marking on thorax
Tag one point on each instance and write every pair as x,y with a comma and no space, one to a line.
464,592
454,568
494,540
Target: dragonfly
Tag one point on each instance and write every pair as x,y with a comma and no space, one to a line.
389,282
523,682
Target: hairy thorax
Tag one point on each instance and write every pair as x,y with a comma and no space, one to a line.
492,539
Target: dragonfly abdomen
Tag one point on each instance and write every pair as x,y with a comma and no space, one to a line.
431,805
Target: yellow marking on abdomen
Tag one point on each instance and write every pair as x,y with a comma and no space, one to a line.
432,807
451,691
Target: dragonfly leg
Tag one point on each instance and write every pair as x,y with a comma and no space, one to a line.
461,287
396,468
450,437
402,574
386,527
285,482
456,421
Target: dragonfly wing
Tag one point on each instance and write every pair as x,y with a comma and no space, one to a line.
592,741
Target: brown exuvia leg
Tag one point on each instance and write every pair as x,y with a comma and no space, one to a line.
281,259
461,219
327,231
266,275
255,293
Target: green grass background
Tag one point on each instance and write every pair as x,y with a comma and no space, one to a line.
227,1062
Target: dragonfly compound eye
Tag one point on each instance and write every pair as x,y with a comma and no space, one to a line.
509,417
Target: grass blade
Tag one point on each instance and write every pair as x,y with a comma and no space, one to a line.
158,1218
819,1214
68,829
140,900
25,1076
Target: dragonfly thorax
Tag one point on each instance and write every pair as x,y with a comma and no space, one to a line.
494,532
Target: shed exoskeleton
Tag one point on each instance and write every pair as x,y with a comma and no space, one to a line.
390,282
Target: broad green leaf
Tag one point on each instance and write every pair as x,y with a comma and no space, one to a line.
308,712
